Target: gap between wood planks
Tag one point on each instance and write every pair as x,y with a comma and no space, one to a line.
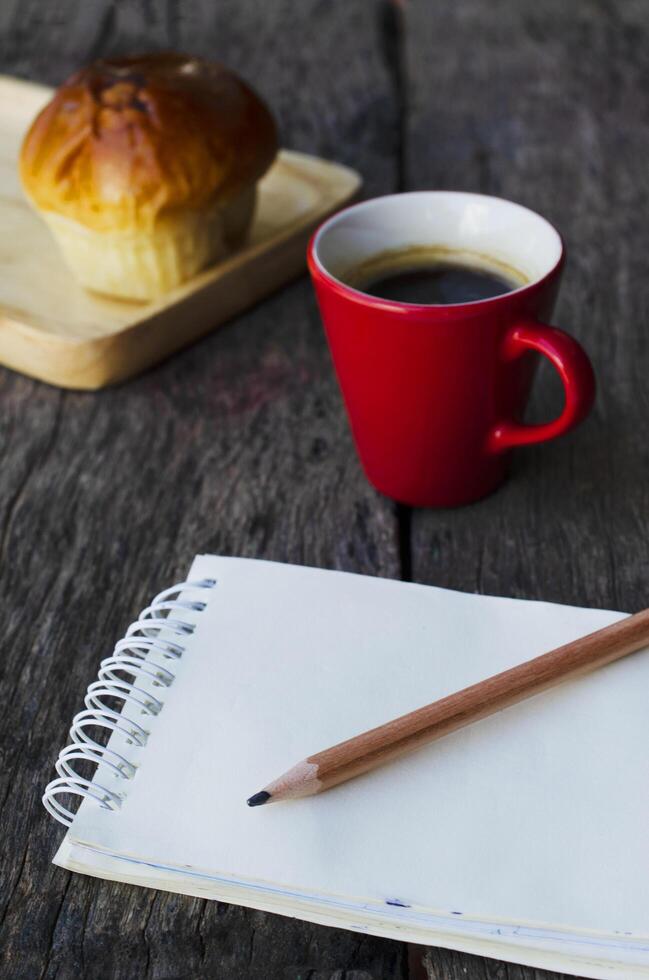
392,14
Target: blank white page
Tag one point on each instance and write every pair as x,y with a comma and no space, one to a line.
537,815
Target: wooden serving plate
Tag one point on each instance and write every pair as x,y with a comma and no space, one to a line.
54,330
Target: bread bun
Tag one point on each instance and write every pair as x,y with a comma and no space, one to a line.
145,168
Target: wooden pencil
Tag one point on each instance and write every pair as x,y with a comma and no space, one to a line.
364,752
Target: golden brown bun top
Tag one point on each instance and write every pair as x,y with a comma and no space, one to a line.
128,140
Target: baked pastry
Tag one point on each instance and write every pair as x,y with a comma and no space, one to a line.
145,169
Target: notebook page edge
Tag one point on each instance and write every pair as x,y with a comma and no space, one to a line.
499,925
541,949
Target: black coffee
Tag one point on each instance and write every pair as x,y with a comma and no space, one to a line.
415,277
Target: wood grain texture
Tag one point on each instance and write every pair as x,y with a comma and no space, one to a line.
547,105
238,445
550,122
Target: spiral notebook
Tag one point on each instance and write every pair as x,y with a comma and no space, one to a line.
523,836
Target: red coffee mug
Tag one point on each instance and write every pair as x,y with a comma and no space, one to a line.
435,394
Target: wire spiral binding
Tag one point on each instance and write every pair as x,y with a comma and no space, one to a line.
128,675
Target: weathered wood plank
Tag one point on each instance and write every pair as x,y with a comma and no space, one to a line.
547,105
445,964
536,105
239,446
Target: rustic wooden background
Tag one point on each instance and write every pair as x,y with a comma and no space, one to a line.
239,445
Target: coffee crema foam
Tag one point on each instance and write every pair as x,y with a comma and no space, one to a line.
415,258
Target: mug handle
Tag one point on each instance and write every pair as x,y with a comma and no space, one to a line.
575,370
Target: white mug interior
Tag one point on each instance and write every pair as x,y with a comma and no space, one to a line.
508,234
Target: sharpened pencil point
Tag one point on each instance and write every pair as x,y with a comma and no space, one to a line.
259,798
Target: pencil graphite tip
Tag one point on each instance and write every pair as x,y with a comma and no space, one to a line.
259,798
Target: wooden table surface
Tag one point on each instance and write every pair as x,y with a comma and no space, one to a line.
240,446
